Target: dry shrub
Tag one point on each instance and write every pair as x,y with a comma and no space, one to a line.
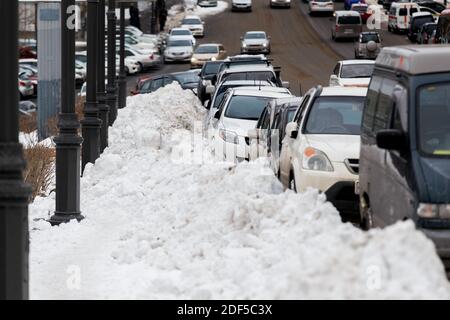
28,124
39,171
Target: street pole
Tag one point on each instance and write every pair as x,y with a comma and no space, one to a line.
68,142
14,193
153,19
122,75
111,95
102,106
91,123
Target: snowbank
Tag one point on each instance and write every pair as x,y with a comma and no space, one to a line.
156,228
177,12
31,139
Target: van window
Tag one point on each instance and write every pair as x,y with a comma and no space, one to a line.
434,119
349,20
384,106
412,10
371,105
392,11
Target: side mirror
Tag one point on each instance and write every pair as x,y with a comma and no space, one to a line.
292,130
210,89
285,84
253,134
334,80
217,115
391,139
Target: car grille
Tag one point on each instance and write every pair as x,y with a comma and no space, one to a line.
352,165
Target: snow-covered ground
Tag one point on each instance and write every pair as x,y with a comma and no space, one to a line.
164,222
177,12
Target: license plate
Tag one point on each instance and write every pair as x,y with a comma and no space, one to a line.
348,31
357,187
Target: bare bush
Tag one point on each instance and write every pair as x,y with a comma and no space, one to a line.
39,171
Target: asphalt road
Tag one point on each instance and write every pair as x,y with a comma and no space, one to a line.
301,45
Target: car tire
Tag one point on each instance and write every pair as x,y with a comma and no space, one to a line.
141,67
292,184
366,214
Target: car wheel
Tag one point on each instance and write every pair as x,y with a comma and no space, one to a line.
366,213
141,67
292,185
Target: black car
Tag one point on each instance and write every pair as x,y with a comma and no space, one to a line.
404,169
416,22
426,32
187,80
209,70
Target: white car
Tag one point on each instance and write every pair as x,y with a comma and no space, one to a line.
241,5
143,60
255,42
141,36
195,24
319,6
321,146
352,73
237,114
182,34
131,65
178,50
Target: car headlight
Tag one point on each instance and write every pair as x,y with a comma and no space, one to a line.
265,44
316,160
193,60
228,136
244,45
437,211
213,59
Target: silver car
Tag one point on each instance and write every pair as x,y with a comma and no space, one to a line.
347,24
255,42
280,3
368,45
207,3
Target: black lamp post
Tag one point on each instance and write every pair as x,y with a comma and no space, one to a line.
68,141
91,123
102,106
14,193
122,75
111,96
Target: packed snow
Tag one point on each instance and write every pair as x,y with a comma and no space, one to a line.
164,221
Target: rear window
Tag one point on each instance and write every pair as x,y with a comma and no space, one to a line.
181,33
357,70
349,20
211,68
246,107
191,21
403,12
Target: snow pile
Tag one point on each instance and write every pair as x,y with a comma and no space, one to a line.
31,139
156,228
208,11
177,12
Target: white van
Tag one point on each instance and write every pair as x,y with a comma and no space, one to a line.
399,16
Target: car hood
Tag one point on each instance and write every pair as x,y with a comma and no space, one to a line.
436,175
363,82
336,147
239,126
205,56
179,49
255,41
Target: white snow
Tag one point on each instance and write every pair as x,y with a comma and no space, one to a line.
177,12
31,139
160,225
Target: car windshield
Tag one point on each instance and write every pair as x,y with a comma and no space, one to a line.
188,77
357,70
256,76
246,107
349,20
211,68
207,49
419,21
191,21
434,119
366,37
255,35
181,33
179,43
335,115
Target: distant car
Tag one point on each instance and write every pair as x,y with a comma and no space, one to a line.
363,10
255,42
415,23
195,24
207,3
237,114
348,3
178,50
425,33
182,34
320,6
323,141
26,89
209,70
347,25
27,106
144,61
352,73
187,80
241,5
368,45
280,3
207,52
399,16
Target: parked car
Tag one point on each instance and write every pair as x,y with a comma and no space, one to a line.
255,42
405,143
433,5
348,3
182,34
352,73
266,139
416,21
363,10
239,112
207,52
426,32
443,28
178,51
280,3
323,145
399,15
241,5
195,24
368,45
207,3
320,6
347,25
144,61
25,86
187,80
209,70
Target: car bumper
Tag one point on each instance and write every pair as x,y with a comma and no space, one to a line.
132,69
208,4
241,7
342,35
255,49
280,4
321,9
198,33
178,58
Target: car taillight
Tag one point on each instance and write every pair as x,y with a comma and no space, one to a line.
152,57
21,83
